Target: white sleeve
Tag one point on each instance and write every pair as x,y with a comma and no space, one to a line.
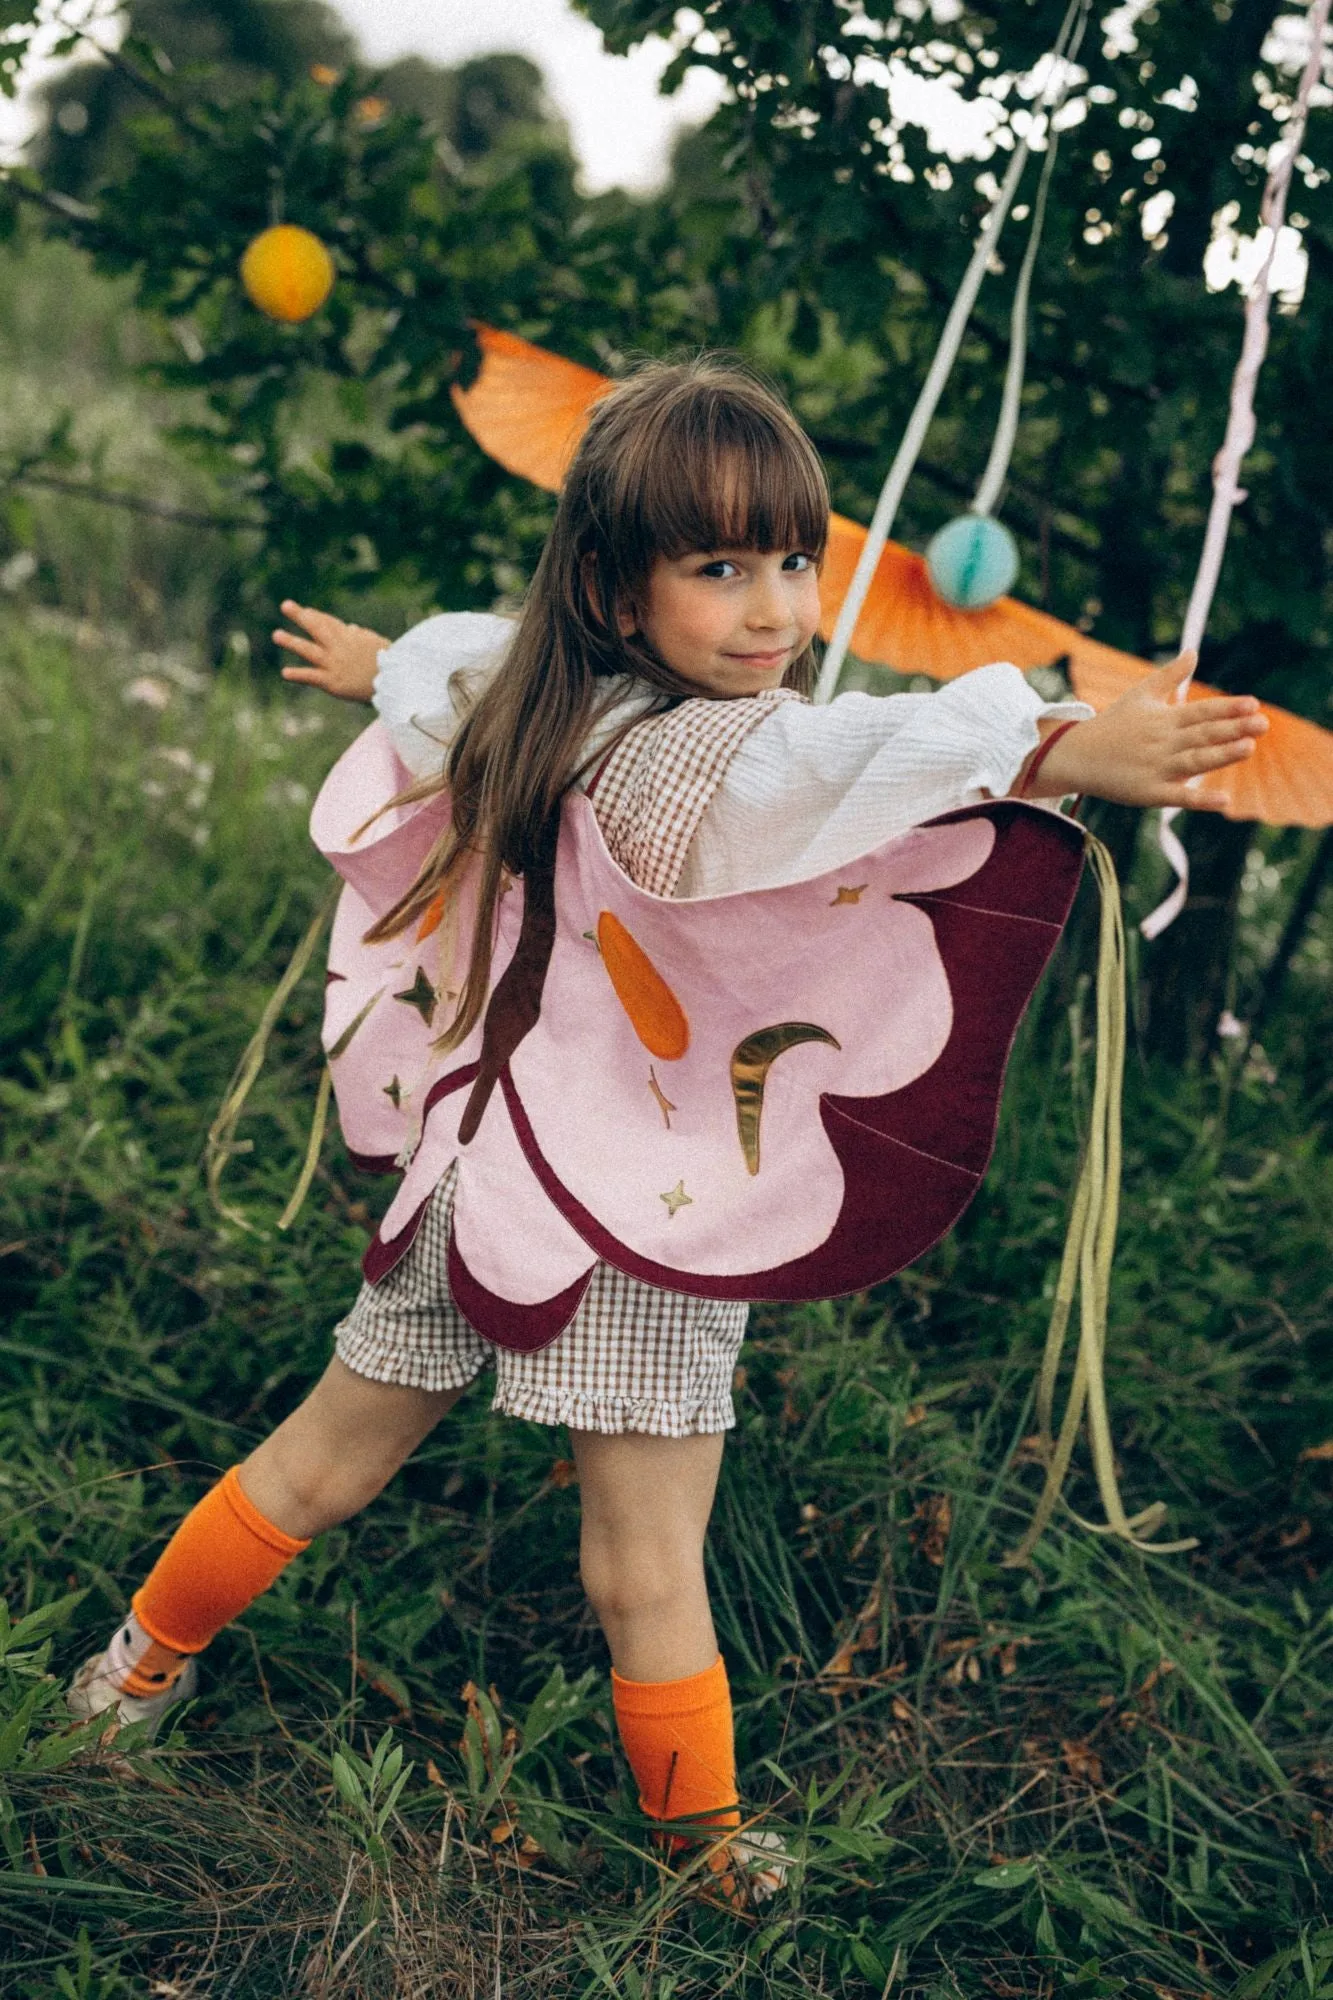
415,694
811,788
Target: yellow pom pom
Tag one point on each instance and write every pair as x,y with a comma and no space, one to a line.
287,273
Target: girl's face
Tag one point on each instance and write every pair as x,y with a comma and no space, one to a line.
730,620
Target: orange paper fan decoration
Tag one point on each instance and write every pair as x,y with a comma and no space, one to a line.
527,409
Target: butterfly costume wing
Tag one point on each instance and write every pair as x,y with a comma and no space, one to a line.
783,1093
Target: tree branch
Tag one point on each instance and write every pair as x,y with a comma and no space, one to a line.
156,510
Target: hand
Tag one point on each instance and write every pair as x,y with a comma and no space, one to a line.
1148,746
343,659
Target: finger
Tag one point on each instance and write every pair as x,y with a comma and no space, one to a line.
308,649
1242,728
317,622
1177,672
1214,706
313,676
1215,759
1195,798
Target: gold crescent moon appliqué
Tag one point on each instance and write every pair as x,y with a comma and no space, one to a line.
750,1064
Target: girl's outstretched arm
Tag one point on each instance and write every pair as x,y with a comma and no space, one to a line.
341,659
1147,747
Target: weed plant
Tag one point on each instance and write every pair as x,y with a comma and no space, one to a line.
1102,1773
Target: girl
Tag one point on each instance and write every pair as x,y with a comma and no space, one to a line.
659,661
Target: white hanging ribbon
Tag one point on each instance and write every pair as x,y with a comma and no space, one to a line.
1170,845
1006,430
904,463
1227,490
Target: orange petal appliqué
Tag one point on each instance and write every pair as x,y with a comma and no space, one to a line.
655,1014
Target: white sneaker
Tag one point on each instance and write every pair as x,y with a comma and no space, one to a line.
750,1869
132,1655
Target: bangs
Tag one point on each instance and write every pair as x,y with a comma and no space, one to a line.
724,466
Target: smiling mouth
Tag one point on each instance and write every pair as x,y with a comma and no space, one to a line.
761,659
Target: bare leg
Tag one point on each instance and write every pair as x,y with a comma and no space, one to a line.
335,1452
646,1503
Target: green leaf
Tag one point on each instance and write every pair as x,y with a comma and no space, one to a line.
1094,1904
47,1618
385,1760
474,1759
556,1704
391,1799
1009,1875
867,1963
346,1779
53,1752
10,1837
1258,1981
14,1734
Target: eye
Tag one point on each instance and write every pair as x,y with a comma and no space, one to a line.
798,561
719,568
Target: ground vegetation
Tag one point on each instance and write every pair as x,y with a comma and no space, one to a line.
1103,1774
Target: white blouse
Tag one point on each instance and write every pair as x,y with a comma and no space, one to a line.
809,789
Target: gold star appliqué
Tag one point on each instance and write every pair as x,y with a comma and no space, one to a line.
421,995
846,895
677,1198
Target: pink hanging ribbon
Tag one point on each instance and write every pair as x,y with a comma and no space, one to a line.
1227,490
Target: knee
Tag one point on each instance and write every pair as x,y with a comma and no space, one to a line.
311,1486
338,1449
330,1490
637,1577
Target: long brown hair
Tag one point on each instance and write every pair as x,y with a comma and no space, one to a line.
697,455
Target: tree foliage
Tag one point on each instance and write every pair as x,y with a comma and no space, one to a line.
815,225
20,30
819,223
863,224
866,226
84,141
444,196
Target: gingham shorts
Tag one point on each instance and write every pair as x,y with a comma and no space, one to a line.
633,1358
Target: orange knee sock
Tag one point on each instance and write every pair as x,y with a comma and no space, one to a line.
221,1557
680,1745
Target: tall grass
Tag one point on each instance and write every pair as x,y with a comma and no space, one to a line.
1105,1773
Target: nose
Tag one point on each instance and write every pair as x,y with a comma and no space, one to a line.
768,609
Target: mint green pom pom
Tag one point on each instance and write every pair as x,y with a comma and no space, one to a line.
972,562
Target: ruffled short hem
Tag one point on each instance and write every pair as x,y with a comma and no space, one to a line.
379,1359
380,1356
615,1416
633,1359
